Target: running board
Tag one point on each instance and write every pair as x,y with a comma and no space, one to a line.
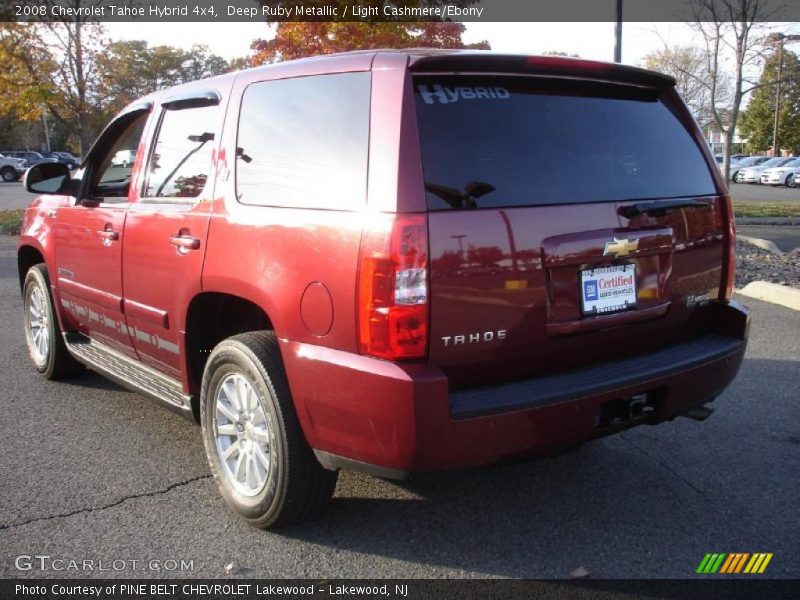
129,373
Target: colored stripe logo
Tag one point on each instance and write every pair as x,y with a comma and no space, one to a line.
735,562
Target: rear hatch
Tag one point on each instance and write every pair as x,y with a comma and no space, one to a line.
571,220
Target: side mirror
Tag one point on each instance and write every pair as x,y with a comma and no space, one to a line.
47,178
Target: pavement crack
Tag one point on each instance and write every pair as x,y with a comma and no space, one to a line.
666,467
169,488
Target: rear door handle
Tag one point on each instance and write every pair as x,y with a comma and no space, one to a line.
184,243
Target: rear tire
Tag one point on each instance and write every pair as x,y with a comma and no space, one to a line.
260,460
46,347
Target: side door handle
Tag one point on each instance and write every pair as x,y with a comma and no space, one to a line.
184,243
108,235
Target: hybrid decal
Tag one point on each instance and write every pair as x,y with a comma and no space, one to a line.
447,95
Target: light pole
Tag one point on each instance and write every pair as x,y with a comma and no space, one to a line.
780,39
618,34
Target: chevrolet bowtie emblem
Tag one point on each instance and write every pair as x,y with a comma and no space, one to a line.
620,247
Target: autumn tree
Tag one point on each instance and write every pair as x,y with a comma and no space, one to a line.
55,65
296,40
23,90
687,65
757,122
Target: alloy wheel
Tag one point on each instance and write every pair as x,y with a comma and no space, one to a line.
243,435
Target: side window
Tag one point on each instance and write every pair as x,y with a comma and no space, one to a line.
112,176
303,142
180,161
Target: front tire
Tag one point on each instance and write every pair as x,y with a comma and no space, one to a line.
46,347
8,174
790,181
260,460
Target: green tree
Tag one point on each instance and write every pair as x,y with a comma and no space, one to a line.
758,119
131,69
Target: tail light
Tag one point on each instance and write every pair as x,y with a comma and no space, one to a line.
393,287
729,270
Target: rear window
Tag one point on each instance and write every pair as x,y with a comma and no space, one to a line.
516,141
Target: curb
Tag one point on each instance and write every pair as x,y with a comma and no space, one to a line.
781,221
772,292
761,243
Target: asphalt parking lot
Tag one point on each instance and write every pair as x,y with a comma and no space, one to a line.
93,472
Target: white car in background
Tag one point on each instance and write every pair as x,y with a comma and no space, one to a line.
753,174
782,175
743,163
123,158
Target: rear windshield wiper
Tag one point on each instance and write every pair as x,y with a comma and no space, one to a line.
658,208
466,198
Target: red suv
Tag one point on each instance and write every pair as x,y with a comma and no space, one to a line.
391,262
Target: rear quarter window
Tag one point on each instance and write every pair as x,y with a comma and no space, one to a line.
303,142
518,141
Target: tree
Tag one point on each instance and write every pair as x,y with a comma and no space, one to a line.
729,29
23,91
296,40
757,120
687,65
55,64
131,69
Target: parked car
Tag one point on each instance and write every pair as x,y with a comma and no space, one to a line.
63,157
30,158
753,174
747,161
282,265
782,175
11,169
123,158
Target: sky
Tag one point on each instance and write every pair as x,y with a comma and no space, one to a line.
589,40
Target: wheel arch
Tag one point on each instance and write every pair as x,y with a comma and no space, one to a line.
210,318
27,256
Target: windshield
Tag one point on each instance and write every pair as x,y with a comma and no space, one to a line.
494,141
774,162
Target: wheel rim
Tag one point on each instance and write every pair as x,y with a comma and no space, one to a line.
38,320
243,435
7,176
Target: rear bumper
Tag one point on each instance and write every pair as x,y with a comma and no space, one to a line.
392,419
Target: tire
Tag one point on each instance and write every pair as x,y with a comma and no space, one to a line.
790,181
46,347
295,486
737,177
8,174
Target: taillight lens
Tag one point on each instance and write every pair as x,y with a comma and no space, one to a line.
730,252
393,287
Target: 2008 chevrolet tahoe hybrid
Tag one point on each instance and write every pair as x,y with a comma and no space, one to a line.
393,262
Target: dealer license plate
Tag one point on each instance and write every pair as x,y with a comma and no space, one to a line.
608,289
